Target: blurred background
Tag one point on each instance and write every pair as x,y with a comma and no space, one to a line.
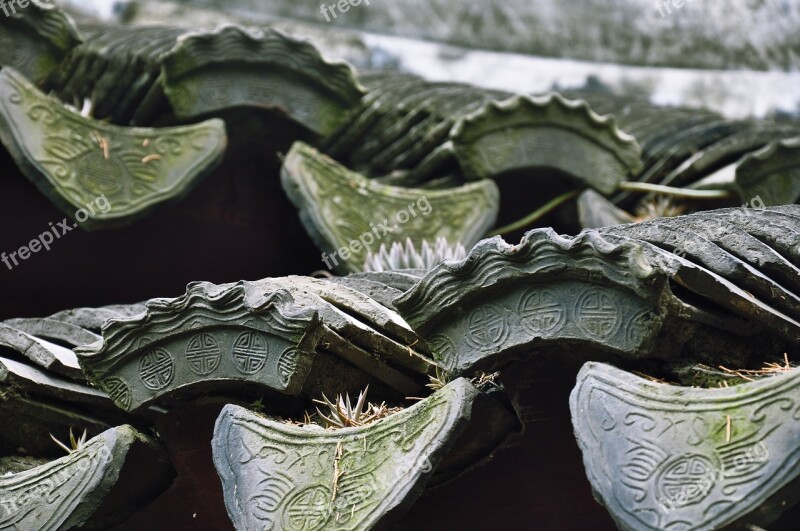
738,57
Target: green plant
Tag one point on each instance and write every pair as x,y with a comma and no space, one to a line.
660,206
408,256
441,379
75,444
342,414
258,405
482,379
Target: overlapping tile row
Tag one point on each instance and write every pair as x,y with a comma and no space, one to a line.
504,301
524,133
232,67
411,132
623,290
151,76
35,39
414,133
701,150
210,335
402,127
360,336
118,70
744,262
43,390
144,75
406,132
266,333
45,354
